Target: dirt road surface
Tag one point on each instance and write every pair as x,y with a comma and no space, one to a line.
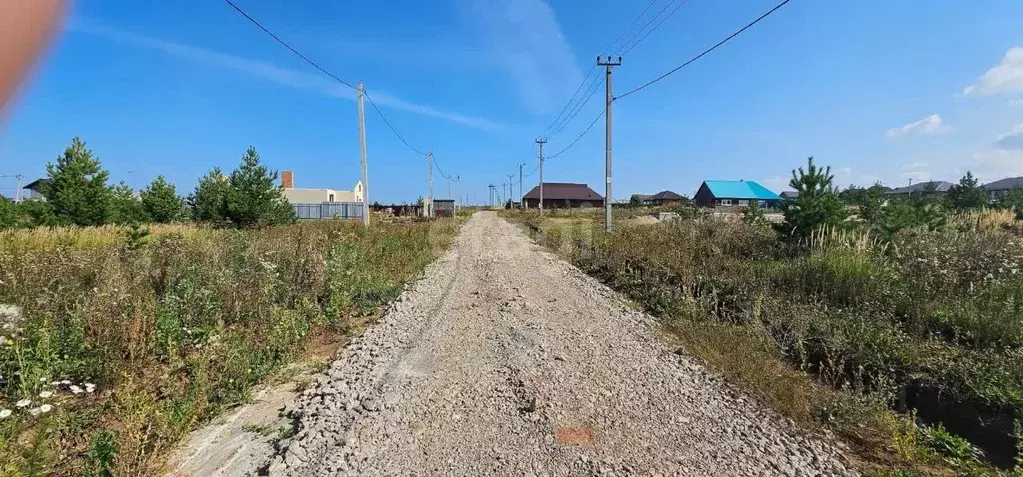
505,360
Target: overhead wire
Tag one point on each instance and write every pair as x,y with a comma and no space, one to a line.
705,52
658,25
573,143
324,71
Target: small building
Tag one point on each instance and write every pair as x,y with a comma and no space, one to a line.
563,195
929,187
789,194
444,207
998,188
738,193
315,196
664,197
35,189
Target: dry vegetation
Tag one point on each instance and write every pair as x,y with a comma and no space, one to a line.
127,340
909,348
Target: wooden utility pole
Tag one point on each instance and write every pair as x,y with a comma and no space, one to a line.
362,151
607,137
541,142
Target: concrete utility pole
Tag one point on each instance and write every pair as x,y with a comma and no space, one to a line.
541,142
449,187
429,178
17,192
522,201
607,138
510,191
459,204
362,151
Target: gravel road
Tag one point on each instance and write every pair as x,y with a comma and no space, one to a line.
505,360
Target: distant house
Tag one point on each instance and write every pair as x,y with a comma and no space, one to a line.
665,197
316,196
790,194
998,188
35,189
734,194
563,194
924,188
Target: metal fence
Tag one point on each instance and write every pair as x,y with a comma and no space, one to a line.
329,210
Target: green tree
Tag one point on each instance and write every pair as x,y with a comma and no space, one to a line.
753,214
208,201
253,198
8,213
125,208
161,201
967,194
35,213
635,200
77,187
1013,200
817,204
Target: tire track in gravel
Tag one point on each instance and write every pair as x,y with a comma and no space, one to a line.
505,360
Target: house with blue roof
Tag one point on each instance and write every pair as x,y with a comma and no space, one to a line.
738,193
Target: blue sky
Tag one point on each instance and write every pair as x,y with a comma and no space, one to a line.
879,90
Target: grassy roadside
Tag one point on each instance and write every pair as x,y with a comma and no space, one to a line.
127,340
845,334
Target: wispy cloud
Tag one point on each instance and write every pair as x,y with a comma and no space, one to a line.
270,72
1006,77
524,38
1012,140
919,171
915,166
1016,102
930,125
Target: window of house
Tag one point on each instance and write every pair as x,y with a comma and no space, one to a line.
725,201
743,203
330,198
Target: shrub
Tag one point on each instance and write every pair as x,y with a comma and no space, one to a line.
817,204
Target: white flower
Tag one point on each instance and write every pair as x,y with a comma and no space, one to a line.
46,394
46,408
23,403
76,389
65,382
55,383
4,413
89,387
35,411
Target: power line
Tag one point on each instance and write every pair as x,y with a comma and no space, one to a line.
658,25
389,126
286,45
580,135
634,22
324,71
570,101
655,17
594,87
705,52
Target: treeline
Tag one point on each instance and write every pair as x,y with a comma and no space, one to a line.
820,203
77,192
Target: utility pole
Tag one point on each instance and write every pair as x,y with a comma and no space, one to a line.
459,204
17,192
541,142
362,151
510,192
522,201
429,178
449,187
607,138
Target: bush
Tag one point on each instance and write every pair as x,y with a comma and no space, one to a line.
816,206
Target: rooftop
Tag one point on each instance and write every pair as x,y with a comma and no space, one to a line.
929,186
740,189
562,191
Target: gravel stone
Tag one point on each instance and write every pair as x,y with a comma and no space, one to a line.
457,378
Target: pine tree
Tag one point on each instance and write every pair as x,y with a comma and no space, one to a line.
253,198
77,188
125,208
209,200
161,201
967,194
817,203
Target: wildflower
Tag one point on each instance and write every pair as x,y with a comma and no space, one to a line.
46,408
75,389
89,387
65,382
5,413
55,383
23,403
46,394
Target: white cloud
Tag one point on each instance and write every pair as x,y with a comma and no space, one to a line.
847,171
1012,140
919,171
269,72
915,166
777,183
524,39
1016,102
998,163
930,125
1006,77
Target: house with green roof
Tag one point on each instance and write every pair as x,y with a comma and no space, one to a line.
738,193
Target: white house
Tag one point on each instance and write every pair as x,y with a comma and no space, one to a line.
315,196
